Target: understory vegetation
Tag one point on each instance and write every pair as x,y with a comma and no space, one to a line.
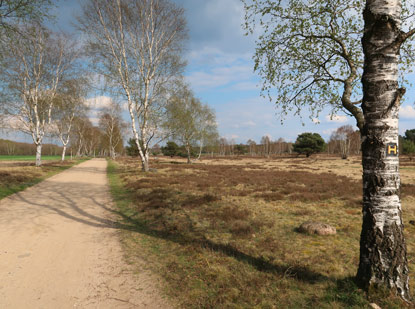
17,175
223,233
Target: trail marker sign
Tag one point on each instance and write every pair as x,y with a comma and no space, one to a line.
392,150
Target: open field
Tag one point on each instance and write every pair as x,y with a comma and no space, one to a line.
17,175
222,233
29,158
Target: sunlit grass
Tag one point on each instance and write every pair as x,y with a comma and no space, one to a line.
28,158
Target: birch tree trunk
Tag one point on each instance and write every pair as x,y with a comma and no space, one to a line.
63,152
38,154
188,154
200,150
383,259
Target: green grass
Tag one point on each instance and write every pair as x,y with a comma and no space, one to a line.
16,179
224,237
28,158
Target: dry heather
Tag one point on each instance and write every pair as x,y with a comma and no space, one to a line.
223,232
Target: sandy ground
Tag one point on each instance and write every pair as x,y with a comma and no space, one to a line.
59,247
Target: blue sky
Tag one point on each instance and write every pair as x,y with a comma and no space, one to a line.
220,71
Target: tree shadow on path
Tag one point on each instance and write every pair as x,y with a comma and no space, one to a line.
79,203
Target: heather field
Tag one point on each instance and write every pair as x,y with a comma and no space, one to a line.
222,233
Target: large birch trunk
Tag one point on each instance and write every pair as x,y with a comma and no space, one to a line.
383,261
63,153
144,162
38,154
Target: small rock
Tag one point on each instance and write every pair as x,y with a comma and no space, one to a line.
153,170
311,227
374,306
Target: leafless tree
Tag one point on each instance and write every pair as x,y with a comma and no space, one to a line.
265,142
113,126
342,139
81,124
37,62
137,47
69,103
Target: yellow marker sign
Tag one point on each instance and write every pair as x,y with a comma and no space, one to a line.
392,150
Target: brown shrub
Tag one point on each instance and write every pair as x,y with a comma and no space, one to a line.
222,179
241,228
274,196
231,213
408,190
194,200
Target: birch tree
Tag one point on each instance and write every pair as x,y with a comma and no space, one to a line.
37,62
310,55
13,12
252,145
81,125
383,257
112,126
342,137
189,121
137,47
69,103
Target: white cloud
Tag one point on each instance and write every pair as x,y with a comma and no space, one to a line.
315,120
249,123
230,137
407,112
329,131
336,118
99,102
246,86
217,76
94,120
10,122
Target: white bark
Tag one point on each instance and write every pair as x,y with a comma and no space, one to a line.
383,260
63,153
38,155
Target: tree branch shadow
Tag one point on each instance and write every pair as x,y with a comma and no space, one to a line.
69,208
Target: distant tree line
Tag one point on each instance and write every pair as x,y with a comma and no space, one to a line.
407,143
11,148
344,141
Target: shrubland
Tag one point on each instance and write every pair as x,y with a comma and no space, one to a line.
223,233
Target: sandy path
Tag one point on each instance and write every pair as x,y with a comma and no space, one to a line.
59,249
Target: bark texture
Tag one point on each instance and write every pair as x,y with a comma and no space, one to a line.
38,154
383,260
63,153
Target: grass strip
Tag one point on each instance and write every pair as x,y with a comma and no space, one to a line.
16,179
28,158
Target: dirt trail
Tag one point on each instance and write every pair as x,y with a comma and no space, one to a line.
59,247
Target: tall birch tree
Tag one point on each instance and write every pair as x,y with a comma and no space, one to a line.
189,121
137,47
69,103
36,62
310,55
113,126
